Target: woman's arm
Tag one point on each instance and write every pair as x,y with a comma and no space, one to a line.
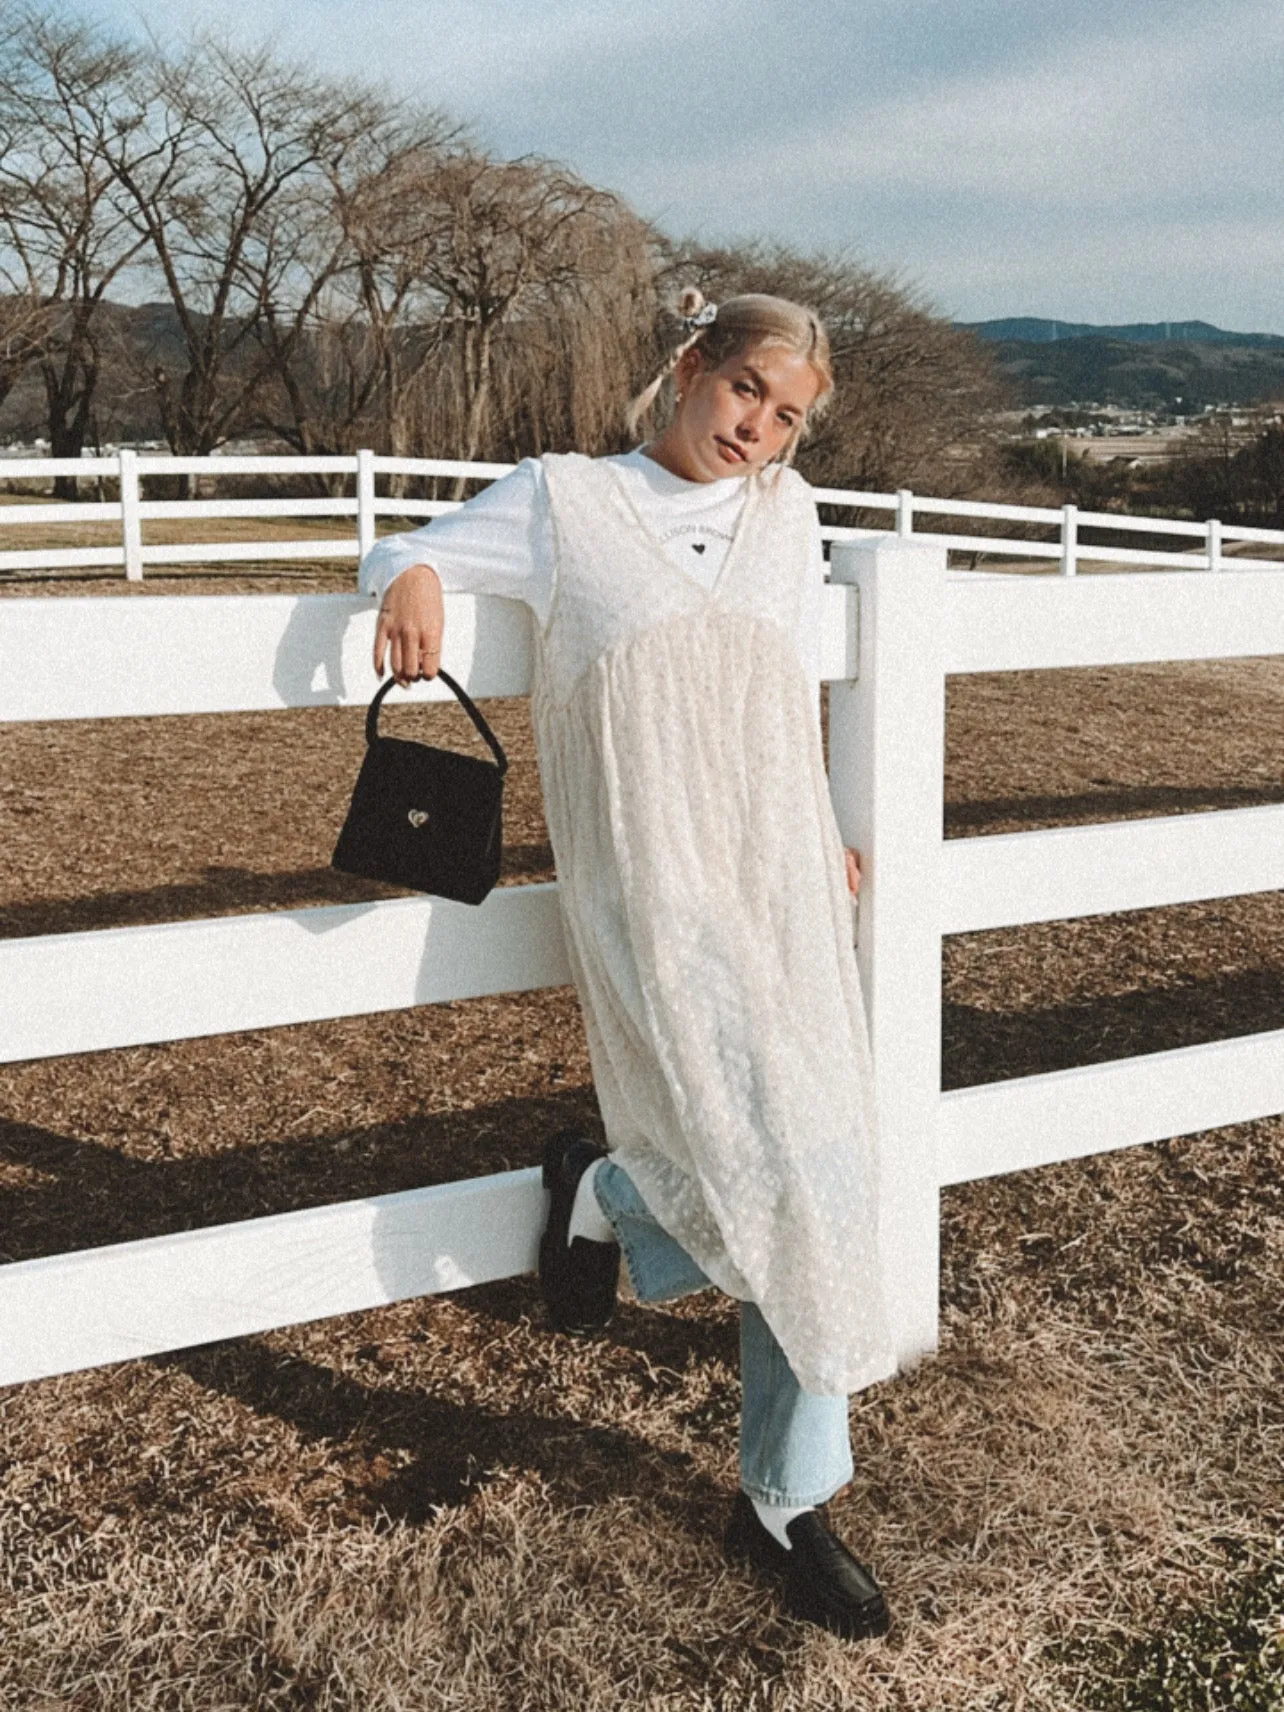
499,542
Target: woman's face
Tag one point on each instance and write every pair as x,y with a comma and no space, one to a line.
734,418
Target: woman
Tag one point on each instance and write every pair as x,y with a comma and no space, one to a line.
675,592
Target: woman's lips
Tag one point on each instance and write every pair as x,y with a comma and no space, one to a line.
727,446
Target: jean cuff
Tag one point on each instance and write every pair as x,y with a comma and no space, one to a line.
794,1500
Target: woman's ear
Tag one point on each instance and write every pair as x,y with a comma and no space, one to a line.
689,365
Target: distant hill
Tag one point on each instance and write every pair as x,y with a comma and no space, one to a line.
1031,330
1137,367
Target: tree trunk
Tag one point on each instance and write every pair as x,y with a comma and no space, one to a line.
69,397
477,356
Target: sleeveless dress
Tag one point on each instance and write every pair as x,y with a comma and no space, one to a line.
704,897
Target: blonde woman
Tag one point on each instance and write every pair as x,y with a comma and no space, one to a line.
675,593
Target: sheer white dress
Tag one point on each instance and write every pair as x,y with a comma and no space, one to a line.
704,896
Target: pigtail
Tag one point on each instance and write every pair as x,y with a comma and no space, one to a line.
695,316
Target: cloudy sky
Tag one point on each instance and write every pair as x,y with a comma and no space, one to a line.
1081,159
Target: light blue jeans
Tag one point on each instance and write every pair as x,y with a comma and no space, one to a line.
795,1447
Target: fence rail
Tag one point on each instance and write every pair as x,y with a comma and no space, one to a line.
135,986
1210,540
895,624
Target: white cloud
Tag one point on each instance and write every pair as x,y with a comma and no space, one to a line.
970,145
1133,122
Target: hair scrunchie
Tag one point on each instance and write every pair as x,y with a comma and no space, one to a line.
694,312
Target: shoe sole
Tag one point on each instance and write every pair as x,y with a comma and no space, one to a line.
863,1627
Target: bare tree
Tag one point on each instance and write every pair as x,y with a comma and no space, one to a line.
1218,475
484,305
373,324
283,277
345,270
567,364
22,324
505,238
65,238
221,155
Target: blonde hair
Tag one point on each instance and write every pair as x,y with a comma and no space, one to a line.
738,325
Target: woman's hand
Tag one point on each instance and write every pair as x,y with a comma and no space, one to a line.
411,621
853,869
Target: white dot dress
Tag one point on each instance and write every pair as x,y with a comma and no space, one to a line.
705,902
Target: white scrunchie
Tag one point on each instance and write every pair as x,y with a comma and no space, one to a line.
702,318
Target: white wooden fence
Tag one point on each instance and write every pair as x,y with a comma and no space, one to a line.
1209,543
896,622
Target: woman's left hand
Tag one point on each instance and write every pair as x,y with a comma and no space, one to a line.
853,869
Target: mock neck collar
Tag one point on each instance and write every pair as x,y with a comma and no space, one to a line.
663,481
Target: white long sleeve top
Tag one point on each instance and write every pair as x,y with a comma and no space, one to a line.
501,541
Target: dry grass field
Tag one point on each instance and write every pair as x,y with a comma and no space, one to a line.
442,1505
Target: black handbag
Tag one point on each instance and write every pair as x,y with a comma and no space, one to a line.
426,818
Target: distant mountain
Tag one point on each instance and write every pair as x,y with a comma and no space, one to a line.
1031,330
1197,365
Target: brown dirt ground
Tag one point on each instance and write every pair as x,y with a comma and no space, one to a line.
442,1505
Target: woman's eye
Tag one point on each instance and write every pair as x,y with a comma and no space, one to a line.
746,386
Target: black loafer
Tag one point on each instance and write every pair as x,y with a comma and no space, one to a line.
820,1581
579,1281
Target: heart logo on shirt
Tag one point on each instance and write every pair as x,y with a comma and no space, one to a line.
699,546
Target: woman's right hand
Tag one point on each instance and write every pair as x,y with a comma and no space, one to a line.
411,621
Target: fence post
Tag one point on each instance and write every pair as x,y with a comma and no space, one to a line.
131,522
1069,540
886,768
1214,528
904,512
365,501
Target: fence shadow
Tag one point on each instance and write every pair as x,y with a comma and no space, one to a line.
991,1046
311,647
59,1193
220,891
1124,803
454,1446
230,891
64,1194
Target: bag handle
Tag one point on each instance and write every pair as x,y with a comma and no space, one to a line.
465,701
